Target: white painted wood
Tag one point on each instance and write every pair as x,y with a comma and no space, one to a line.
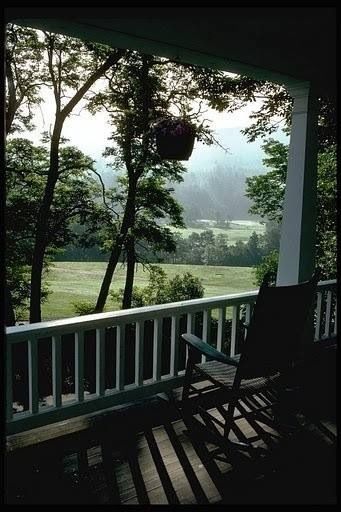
328,316
158,383
139,344
248,312
101,320
157,349
335,318
33,375
9,378
95,321
100,362
221,328
206,329
79,365
318,316
234,330
297,243
120,356
174,355
190,329
26,421
57,370
190,323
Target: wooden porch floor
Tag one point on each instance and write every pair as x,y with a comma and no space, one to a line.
143,455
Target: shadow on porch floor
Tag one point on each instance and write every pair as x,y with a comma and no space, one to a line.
143,455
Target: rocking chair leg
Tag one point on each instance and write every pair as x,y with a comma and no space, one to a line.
229,418
188,376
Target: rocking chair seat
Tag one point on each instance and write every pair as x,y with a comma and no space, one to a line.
223,375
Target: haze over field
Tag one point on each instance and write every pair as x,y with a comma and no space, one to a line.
213,187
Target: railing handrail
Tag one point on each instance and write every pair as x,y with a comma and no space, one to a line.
19,333
98,320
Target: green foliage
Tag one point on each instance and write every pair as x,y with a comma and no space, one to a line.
83,307
75,198
268,266
267,190
162,290
25,74
267,194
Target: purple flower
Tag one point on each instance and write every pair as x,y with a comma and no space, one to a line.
174,126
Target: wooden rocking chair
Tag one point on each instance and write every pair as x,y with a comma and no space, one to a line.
272,345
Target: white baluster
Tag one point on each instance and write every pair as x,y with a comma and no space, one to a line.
221,328
174,355
33,375
79,366
139,344
206,329
328,315
57,370
335,318
157,349
190,323
247,317
234,330
318,315
120,356
100,362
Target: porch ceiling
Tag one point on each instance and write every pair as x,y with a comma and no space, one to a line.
285,45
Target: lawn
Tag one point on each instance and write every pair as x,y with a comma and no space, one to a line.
80,281
238,231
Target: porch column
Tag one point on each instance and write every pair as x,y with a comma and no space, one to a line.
297,244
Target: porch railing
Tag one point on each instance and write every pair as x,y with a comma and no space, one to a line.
233,307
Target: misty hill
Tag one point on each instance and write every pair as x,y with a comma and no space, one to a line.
242,156
214,185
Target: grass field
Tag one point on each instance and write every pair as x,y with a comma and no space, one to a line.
80,281
238,231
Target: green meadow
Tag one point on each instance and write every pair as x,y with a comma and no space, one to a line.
74,281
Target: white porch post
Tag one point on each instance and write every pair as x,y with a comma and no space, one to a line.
297,244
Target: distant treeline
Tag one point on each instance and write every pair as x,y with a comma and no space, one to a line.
203,248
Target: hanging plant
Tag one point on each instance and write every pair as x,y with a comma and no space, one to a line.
174,138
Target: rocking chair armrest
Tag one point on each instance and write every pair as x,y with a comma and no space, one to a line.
208,350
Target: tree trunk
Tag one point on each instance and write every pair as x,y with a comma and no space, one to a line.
9,311
128,289
127,223
40,242
12,104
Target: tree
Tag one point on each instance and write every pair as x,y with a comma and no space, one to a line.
136,97
25,74
267,193
154,202
253,249
267,190
68,60
74,199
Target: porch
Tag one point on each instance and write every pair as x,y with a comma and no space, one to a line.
129,444
141,454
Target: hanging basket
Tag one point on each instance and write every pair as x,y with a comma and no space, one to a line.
174,138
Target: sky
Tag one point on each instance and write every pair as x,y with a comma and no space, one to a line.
90,133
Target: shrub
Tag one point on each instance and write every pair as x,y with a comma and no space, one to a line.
83,307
